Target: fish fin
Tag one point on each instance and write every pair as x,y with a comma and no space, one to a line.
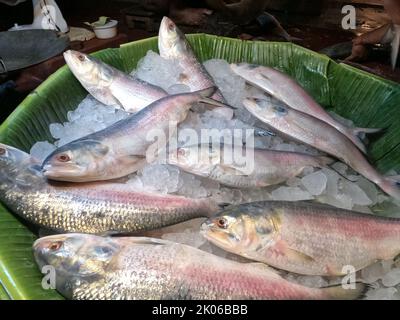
232,171
215,103
147,240
205,97
293,254
358,134
106,99
338,292
391,185
274,272
263,133
324,161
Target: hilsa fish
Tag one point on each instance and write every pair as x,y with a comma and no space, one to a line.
243,167
286,89
90,267
122,148
173,45
314,132
100,208
111,86
305,238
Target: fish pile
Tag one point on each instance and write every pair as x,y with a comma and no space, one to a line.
225,217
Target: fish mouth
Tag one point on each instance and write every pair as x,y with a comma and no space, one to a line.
250,102
219,237
41,248
71,58
63,173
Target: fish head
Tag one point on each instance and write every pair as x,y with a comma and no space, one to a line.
78,161
91,72
262,77
245,70
265,108
196,158
14,164
172,42
241,229
74,259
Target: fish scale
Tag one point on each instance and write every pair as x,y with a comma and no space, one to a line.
305,238
154,269
91,208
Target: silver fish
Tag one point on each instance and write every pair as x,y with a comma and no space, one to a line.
173,45
286,89
304,238
111,86
90,267
122,148
243,167
101,208
320,135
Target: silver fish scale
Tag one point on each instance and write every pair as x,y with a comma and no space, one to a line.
79,211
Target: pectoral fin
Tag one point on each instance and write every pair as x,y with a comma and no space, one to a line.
232,171
294,254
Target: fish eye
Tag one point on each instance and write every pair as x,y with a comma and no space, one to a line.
63,158
2,151
81,57
182,152
171,26
280,110
55,246
222,223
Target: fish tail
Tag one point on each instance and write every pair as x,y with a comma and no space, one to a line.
357,134
391,185
338,292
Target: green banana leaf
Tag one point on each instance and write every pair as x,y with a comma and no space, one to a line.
366,99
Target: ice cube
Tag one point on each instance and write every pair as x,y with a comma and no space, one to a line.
382,294
155,177
290,194
392,278
341,168
232,86
332,182
312,281
357,195
158,71
376,271
40,150
369,188
57,130
315,183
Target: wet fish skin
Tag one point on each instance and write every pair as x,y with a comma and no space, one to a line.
320,135
304,238
122,148
173,45
92,267
286,89
111,86
268,167
99,208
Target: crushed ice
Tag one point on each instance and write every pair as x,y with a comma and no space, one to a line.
338,185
